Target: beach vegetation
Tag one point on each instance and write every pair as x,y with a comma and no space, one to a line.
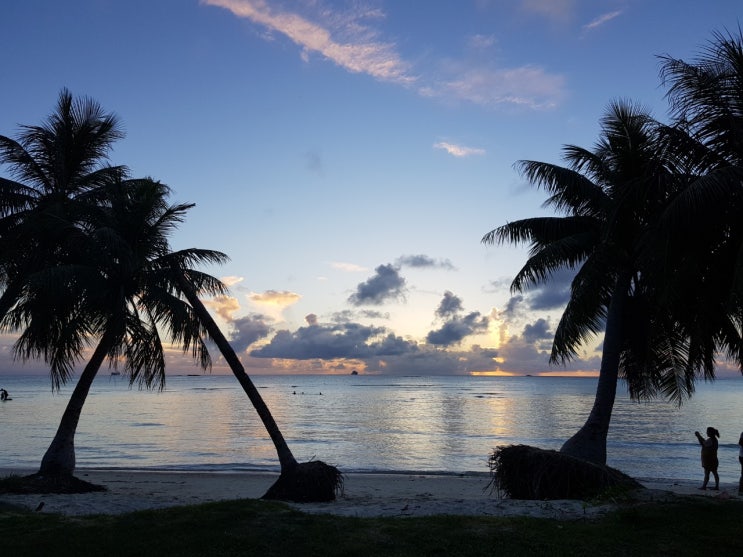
687,526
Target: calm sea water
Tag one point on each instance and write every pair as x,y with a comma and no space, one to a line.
362,423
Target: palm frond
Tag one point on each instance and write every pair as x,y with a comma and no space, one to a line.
571,192
585,314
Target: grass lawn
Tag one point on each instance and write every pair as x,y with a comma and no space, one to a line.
260,528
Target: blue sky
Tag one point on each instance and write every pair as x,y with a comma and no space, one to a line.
349,155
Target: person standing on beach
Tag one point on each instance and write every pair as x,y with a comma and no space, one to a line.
740,459
709,456
3,394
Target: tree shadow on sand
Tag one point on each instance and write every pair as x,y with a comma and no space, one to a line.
37,483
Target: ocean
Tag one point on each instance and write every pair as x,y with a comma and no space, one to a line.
362,423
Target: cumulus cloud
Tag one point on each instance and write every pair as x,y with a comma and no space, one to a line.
223,306
459,151
327,342
455,327
554,294
433,361
278,298
386,284
537,331
512,308
450,305
455,330
247,330
374,348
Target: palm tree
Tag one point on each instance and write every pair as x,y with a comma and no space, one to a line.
706,97
83,254
76,264
612,198
301,482
55,166
122,293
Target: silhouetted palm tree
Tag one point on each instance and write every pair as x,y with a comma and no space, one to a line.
84,254
124,294
612,198
302,482
57,168
81,249
706,98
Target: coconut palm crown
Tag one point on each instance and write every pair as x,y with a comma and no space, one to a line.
706,96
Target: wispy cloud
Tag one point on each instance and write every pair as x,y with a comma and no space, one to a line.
552,9
459,151
527,86
599,21
345,40
353,40
348,267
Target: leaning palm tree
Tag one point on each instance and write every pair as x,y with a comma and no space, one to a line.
302,482
611,198
121,294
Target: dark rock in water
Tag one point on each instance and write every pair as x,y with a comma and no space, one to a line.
354,372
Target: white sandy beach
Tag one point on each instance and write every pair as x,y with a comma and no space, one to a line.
365,495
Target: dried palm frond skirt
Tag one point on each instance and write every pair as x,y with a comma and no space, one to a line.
524,472
312,481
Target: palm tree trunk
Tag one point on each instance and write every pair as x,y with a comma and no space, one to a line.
589,443
286,458
59,459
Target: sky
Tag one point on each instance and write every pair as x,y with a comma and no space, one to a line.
348,156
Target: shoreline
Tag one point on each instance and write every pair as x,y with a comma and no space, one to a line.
365,494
